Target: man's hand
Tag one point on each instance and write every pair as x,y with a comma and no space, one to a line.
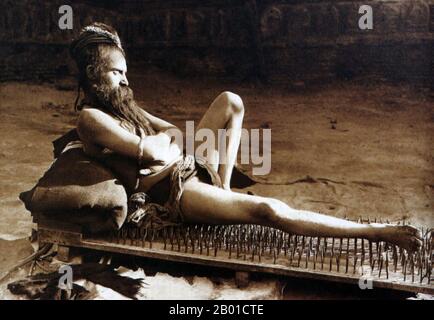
160,149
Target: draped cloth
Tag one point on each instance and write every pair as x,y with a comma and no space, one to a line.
151,210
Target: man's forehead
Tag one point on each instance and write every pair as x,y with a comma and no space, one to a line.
115,59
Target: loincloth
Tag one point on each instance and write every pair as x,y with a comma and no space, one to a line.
161,205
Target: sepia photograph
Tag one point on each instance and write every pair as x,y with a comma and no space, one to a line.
217,150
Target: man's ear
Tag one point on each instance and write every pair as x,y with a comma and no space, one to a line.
90,72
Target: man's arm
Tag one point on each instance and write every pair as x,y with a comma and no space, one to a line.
157,123
173,132
96,127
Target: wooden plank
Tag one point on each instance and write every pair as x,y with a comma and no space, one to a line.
50,234
249,266
59,237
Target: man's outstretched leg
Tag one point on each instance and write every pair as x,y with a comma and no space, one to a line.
203,203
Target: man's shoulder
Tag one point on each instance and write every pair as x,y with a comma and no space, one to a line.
92,120
91,112
93,116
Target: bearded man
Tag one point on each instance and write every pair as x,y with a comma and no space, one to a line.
194,190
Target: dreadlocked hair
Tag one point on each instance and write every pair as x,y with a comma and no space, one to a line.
95,56
92,55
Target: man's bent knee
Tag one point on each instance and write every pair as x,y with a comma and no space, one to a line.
232,100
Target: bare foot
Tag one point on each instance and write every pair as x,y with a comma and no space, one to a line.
226,187
407,237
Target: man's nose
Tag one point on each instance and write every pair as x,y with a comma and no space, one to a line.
124,81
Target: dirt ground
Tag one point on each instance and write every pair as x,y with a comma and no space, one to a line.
367,147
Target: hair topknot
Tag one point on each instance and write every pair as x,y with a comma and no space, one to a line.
94,34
